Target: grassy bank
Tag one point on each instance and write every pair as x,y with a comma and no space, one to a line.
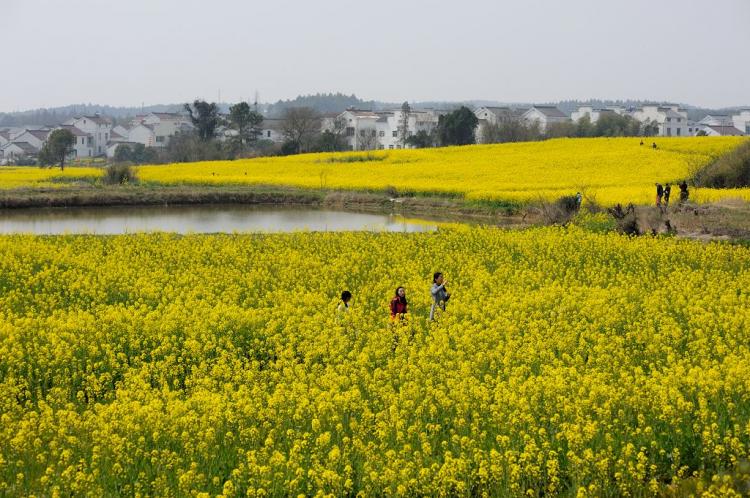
89,195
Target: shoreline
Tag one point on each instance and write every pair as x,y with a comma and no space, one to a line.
439,208
717,221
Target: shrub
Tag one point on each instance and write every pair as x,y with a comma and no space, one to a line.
731,170
119,174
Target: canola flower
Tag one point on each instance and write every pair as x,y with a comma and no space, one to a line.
614,170
31,177
567,363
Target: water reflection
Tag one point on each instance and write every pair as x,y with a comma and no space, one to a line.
197,219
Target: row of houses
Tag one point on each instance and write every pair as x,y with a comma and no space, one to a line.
95,136
366,129
672,121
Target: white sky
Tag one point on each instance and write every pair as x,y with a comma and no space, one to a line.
169,51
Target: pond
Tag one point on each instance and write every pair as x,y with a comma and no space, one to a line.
198,219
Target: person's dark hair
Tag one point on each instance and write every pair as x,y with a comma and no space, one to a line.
346,296
436,276
402,299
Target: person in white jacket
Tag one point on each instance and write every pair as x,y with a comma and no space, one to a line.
440,294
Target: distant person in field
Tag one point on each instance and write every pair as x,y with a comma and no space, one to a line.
684,194
579,200
399,305
641,142
653,145
440,294
346,297
667,193
659,194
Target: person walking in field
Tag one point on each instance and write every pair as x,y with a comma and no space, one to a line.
440,294
399,305
684,194
343,306
653,145
659,194
667,193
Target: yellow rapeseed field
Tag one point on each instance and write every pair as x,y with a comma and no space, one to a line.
567,363
611,169
31,176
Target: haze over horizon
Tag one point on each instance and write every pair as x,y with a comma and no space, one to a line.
511,51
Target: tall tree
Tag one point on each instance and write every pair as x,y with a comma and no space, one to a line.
403,125
300,127
246,122
205,118
457,127
58,147
333,139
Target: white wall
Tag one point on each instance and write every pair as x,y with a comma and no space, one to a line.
142,135
742,121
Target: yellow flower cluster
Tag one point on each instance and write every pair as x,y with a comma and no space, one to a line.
611,169
567,362
30,177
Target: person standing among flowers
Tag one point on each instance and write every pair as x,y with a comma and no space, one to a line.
343,307
667,193
684,194
440,294
659,194
399,305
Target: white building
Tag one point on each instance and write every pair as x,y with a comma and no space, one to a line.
741,121
594,113
84,142
671,120
361,131
4,137
112,147
142,134
721,131
37,138
272,130
98,127
165,125
545,115
716,120
369,130
17,150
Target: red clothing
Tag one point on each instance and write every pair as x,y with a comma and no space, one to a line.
398,306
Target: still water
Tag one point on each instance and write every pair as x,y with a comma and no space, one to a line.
197,219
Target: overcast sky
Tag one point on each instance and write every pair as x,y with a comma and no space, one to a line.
167,51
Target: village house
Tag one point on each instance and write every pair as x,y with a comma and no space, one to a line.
495,116
98,128
716,120
4,137
671,120
721,131
544,115
142,134
594,113
36,138
16,150
741,121
83,145
165,125
272,130
112,147
360,129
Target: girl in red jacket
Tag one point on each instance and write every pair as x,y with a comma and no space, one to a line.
399,304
